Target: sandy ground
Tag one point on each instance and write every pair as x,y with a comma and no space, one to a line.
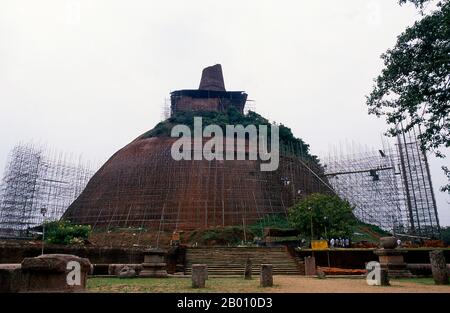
282,284
314,285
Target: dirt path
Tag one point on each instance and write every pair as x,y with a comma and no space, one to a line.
314,285
282,284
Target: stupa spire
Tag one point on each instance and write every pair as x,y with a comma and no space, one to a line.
212,78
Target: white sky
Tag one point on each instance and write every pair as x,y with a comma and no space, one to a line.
89,76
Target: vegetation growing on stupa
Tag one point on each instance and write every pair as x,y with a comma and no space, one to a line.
288,142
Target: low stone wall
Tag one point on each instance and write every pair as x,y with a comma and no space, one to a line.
423,269
357,258
15,251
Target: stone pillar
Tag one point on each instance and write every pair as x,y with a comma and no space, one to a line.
265,276
310,266
199,274
439,267
248,269
154,264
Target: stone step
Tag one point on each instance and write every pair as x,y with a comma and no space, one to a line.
238,252
231,261
280,253
238,255
242,273
242,269
212,264
238,272
237,259
206,252
224,257
242,259
243,266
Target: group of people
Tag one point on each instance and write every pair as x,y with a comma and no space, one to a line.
340,243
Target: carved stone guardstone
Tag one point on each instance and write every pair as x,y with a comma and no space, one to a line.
127,272
199,275
266,276
391,258
154,264
439,267
115,269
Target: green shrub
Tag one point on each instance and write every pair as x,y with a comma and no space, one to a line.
278,221
63,232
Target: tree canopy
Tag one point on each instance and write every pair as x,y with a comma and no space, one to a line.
330,216
417,3
413,90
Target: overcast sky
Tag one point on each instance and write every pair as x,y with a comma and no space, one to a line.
88,76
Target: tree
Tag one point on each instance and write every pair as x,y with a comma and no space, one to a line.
63,232
445,233
414,87
328,213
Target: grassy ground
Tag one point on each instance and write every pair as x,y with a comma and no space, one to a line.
284,284
171,285
423,281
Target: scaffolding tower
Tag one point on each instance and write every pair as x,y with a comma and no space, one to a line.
390,188
417,186
38,180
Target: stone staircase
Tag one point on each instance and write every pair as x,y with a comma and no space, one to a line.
231,260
